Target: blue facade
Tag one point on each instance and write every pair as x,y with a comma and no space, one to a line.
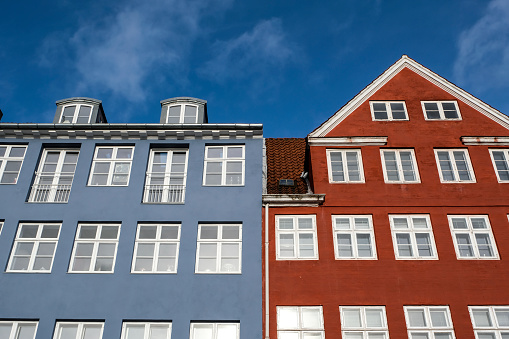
179,298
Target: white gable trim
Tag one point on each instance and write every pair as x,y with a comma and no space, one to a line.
348,141
406,62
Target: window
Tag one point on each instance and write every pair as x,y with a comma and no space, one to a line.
490,322
76,114
412,237
429,322
353,237
399,166
394,110
296,237
166,176
1,225
363,322
472,237
111,166
219,249
156,249
95,248
215,330
34,248
300,322
140,330
18,329
441,110
182,114
224,166
54,178
345,165
81,330
11,159
500,158
454,166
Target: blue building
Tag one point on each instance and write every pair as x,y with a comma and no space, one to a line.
131,231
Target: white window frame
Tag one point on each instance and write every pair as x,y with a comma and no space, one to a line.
344,165
112,164
81,326
6,158
36,241
505,152
353,232
219,241
412,231
388,109
1,225
214,327
54,192
496,328
147,327
471,232
168,192
441,109
454,166
224,162
301,330
16,325
364,329
157,242
95,247
182,113
429,329
295,232
400,166
76,113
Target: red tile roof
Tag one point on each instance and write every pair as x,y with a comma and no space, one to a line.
285,160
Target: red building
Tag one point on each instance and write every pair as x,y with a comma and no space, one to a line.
396,224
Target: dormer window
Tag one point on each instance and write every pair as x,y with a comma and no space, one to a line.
76,114
182,114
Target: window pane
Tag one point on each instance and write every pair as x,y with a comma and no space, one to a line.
286,245
345,245
374,318
484,245
404,245
400,223
352,318
306,245
135,331
364,245
416,318
502,317
342,223
87,232
424,244
464,245
419,336
311,318
443,335
92,332
109,232
50,231
226,331
231,232
288,318
158,332
208,232
5,329
486,335
432,110
147,232
439,318
68,331
352,335
28,231
482,318
380,111
398,111
285,223
305,223
449,110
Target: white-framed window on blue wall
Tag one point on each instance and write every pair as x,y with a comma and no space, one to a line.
182,114
111,166
215,330
78,330
146,330
219,249
224,165
18,329
11,160
34,248
76,114
156,249
1,225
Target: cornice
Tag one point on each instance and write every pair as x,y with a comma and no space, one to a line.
348,141
487,141
288,200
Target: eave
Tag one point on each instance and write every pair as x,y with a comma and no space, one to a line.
289,200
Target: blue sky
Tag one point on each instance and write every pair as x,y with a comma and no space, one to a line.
287,64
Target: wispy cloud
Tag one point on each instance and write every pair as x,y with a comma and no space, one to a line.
259,54
129,50
483,50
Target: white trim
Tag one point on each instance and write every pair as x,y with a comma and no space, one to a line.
276,200
147,326
75,116
113,161
441,110
454,166
79,328
295,232
363,329
300,329
15,325
496,328
214,327
472,232
411,230
406,62
505,153
182,112
399,166
348,141
353,232
388,110
6,158
428,328
488,141
219,241
346,172
224,160
1,226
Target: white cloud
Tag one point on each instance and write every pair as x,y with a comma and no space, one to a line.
129,50
259,54
483,57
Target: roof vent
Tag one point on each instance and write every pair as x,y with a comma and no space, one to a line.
286,182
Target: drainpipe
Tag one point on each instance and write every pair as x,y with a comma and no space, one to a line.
267,271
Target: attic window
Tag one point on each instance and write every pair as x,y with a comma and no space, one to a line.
441,110
388,110
182,114
76,114
286,182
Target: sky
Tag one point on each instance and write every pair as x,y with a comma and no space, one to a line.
287,64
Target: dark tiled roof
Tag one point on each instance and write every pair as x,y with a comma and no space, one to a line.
285,160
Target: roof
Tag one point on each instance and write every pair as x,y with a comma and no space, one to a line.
285,160
406,62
